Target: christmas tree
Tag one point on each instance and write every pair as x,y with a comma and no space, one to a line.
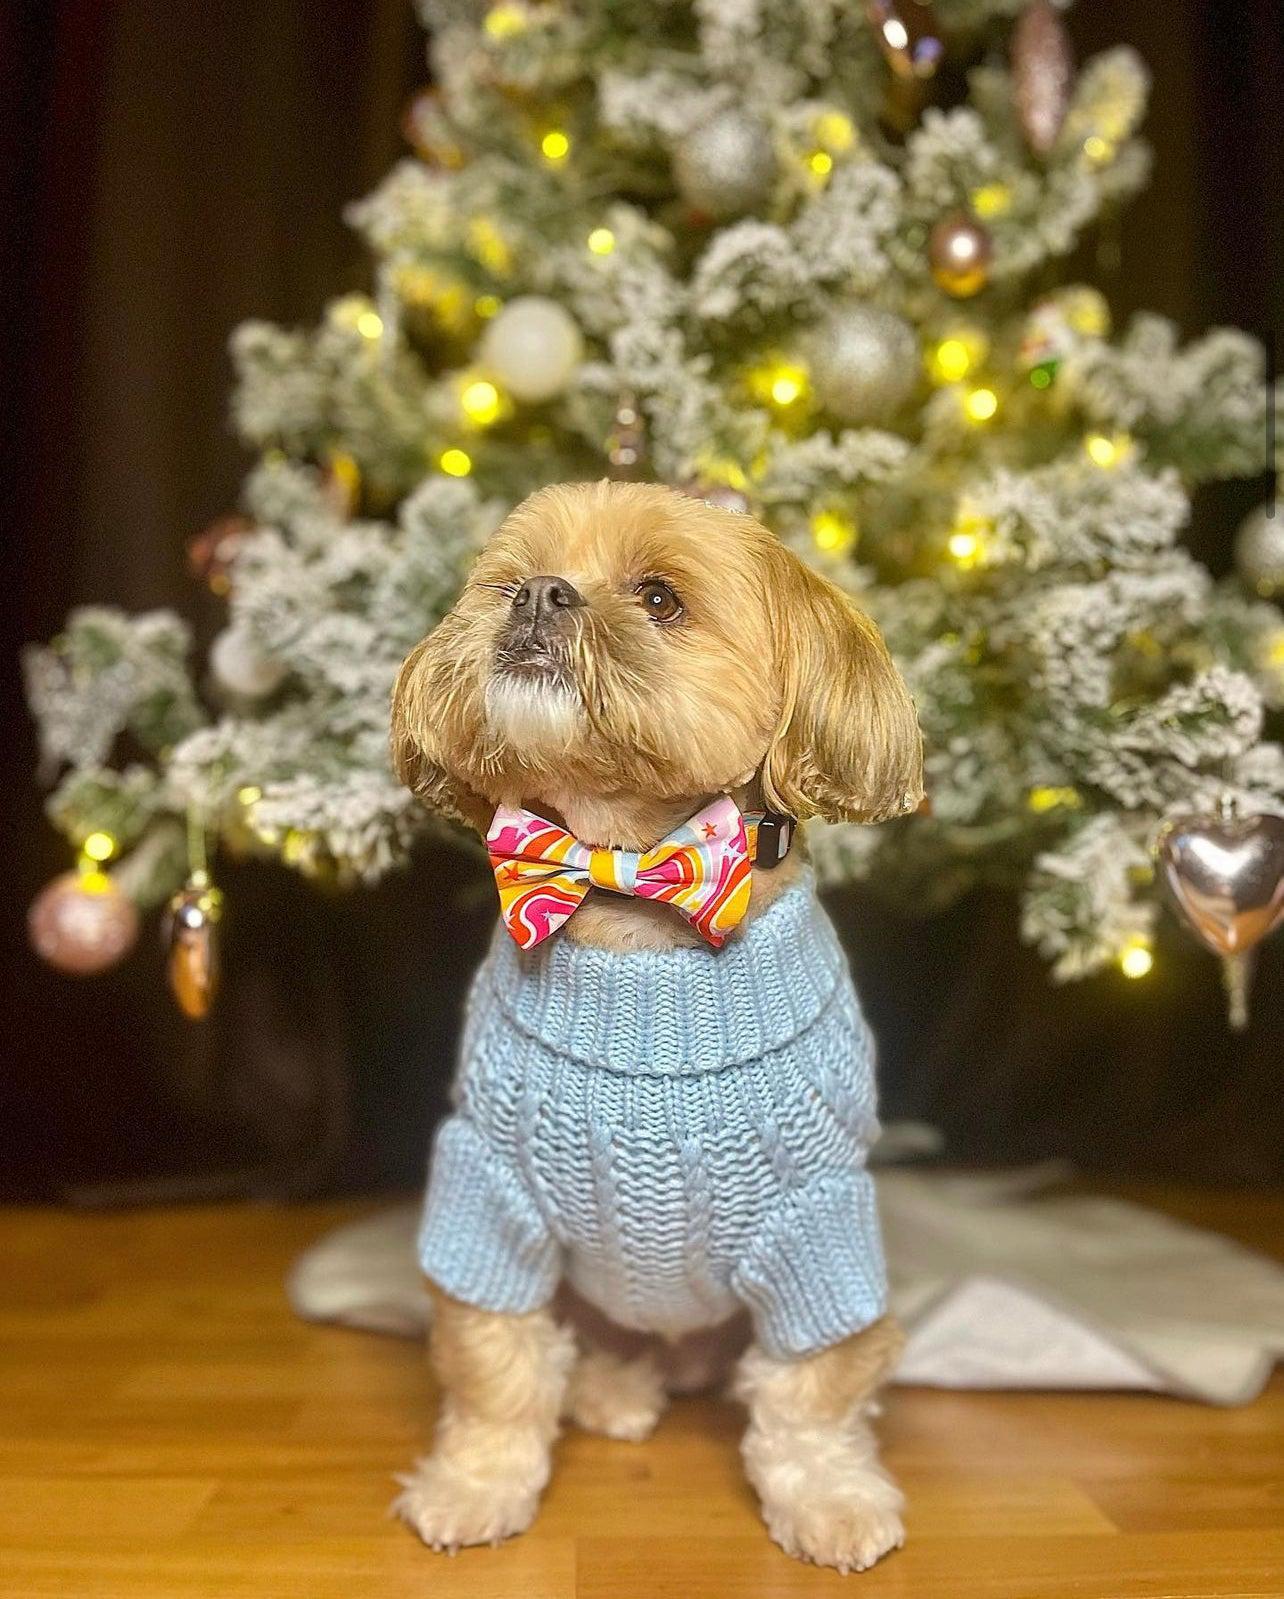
753,248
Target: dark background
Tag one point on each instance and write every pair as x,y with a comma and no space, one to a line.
170,167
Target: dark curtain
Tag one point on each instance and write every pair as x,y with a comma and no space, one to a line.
169,168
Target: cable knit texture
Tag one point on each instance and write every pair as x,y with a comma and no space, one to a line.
680,1134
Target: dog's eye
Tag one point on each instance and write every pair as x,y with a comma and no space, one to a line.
659,601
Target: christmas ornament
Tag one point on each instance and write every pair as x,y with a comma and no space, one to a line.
82,923
1259,549
241,667
1225,877
533,347
211,553
626,442
720,495
908,35
864,363
726,165
960,252
1042,74
191,944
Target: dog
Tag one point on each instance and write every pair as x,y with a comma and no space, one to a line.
632,685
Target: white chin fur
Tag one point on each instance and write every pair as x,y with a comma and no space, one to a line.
531,716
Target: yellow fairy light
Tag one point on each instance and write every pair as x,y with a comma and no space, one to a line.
1107,450
251,794
370,324
99,846
821,163
555,146
1097,149
991,200
489,246
952,359
1136,958
981,405
833,532
92,881
965,547
835,131
1087,311
1044,799
455,463
505,20
601,241
487,306
786,384
481,402
1275,649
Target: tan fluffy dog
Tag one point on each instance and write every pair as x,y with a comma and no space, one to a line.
683,653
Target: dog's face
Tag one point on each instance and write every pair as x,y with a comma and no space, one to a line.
619,639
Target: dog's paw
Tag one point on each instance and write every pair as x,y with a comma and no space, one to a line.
845,1532
615,1398
450,1510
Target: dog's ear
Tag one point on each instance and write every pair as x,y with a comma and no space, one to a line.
847,746
426,708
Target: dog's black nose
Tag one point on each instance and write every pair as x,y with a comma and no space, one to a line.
539,597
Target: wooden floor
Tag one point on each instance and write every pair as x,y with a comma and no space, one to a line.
168,1430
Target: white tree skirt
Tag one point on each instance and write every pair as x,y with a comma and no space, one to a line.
1001,1282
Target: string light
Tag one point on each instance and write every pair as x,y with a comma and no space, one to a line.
370,324
487,306
489,246
835,131
99,847
992,200
455,462
1097,149
555,146
832,532
1107,450
1044,799
821,163
601,241
505,20
965,547
251,794
1136,957
782,383
957,354
1275,649
481,402
981,405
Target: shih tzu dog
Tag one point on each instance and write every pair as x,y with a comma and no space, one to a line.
665,1097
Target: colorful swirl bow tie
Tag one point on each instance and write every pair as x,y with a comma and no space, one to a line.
703,869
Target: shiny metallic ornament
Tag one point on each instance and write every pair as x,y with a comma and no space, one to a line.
864,363
726,165
960,253
626,442
191,945
82,923
1225,877
1042,74
908,34
720,495
1259,549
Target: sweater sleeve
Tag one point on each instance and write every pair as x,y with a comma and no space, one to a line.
814,1274
483,1239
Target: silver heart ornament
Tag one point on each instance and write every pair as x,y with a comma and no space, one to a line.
1225,876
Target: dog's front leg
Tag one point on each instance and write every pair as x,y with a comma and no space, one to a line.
811,1454
502,1380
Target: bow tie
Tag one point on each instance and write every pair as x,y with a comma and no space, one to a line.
702,869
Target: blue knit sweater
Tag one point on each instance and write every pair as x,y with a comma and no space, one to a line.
680,1134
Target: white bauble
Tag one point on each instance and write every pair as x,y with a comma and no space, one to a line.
726,165
864,363
533,347
1259,549
241,667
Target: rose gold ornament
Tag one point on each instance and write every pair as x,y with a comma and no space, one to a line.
1042,74
211,553
908,34
191,944
960,252
82,923
1224,875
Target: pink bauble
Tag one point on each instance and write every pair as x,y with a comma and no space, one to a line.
82,923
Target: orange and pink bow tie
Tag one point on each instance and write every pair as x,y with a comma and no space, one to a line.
702,869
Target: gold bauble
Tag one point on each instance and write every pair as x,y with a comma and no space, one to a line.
960,252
